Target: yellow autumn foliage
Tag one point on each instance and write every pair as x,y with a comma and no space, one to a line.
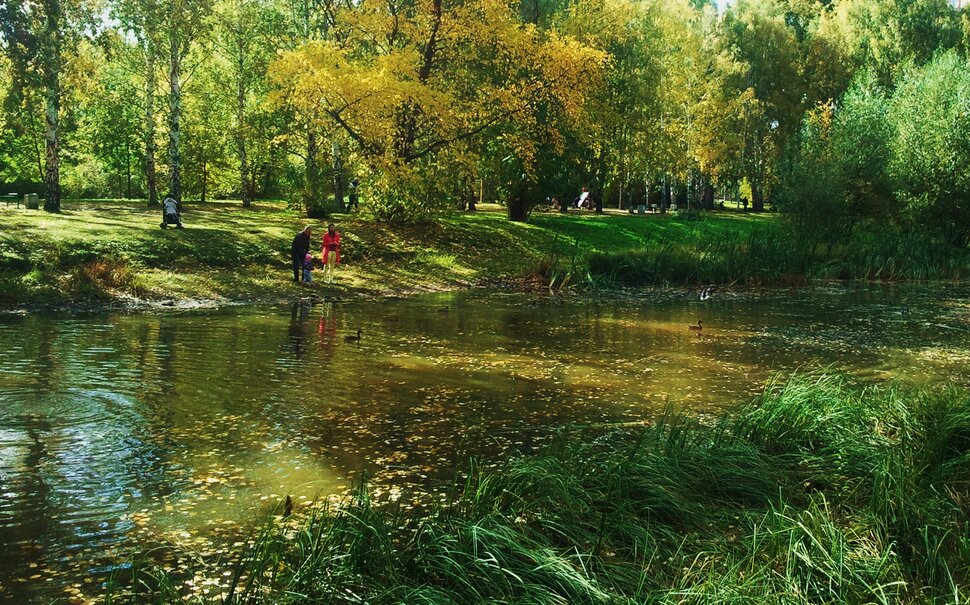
405,86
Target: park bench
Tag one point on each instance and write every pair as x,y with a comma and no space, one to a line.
11,197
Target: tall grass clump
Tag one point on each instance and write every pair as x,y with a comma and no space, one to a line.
777,255
891,254
815,492
899,458
765,256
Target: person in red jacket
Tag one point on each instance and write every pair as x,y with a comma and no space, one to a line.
331,252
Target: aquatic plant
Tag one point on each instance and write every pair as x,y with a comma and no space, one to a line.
817,491
774,255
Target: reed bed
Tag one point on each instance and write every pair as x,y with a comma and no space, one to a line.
817,491
775,255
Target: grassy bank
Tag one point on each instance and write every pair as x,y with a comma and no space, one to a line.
816,492
113,251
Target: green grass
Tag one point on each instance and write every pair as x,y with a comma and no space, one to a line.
815,492
109,251
101,251
770,253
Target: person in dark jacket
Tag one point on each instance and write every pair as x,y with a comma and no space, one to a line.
301,247
354,200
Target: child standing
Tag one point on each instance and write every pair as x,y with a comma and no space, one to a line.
331,252
308,268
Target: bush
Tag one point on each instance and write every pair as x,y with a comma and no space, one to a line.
931,149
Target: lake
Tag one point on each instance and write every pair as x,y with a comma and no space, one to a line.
179,431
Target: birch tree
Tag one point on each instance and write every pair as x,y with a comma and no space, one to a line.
37,35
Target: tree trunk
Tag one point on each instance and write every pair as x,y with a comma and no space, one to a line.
52,173
757,198
598,190
39,152
707,193
518,208
665,196
52,85
151,176
312,176
175,114
244,190
338,181
252,181
205,181
474,196
681,199
654,197
127,170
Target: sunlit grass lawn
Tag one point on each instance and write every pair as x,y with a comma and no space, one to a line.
102,249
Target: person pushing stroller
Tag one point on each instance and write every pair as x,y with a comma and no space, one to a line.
171,214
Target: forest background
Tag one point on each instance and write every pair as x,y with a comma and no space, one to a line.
851,116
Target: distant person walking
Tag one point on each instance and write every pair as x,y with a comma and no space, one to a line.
331,252
299,250
354,200
171,212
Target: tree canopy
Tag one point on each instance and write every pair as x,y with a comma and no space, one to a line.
428,102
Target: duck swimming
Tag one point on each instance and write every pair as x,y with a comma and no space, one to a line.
697,327
352,338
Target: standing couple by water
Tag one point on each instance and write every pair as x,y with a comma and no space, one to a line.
303,260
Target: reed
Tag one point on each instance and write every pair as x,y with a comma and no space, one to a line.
817,491
775,255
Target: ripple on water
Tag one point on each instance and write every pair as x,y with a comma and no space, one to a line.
124,433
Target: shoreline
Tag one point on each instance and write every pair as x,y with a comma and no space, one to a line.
132,304
104,257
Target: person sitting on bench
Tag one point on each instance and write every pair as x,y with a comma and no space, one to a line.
170,212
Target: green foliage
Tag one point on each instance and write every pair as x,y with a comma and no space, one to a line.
875,166
408,193
532,100
931,150
837,173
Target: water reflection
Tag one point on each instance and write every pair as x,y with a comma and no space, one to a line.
299,328
125,432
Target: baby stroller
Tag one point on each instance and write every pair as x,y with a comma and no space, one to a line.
170,213
583,202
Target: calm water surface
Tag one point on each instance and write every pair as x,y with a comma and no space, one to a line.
121,433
